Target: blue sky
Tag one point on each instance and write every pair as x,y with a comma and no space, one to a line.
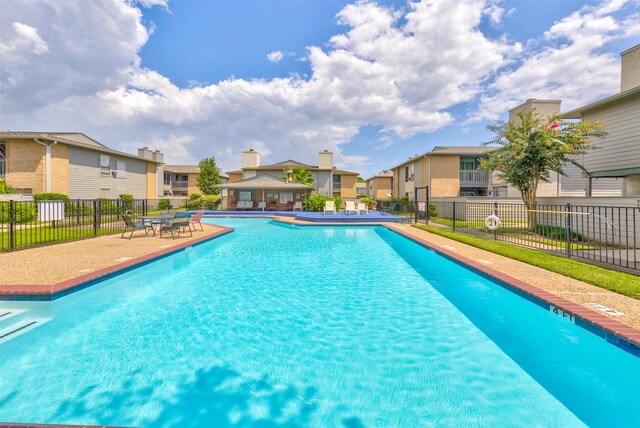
376,82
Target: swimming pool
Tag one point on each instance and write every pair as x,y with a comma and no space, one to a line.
323,326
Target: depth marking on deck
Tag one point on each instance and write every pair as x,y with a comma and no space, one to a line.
86,270
485,262
605,309
449,247
123,259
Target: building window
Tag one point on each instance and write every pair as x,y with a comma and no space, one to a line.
105,164
408,172
167,178
336,185
3,157
467,166
121,167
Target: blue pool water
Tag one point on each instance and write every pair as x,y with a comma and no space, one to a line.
276,325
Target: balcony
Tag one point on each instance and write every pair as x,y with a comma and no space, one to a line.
3,168
474,178
179,185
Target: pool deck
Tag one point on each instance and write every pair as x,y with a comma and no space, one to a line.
49,272
315,217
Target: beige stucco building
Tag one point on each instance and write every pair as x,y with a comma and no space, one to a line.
75,165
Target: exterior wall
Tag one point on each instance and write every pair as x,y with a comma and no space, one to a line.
445,176
544,108
322,182
630,76
151,181
620,148
235,176
192,184
348,186
86,181
25,165
60,168
632,185
379,187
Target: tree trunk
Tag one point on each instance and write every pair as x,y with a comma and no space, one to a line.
529,198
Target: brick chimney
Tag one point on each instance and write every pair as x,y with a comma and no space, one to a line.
544,108
145,153
325,160
250,159
630,73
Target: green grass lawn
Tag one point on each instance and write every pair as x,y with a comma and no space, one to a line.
39,235
620,282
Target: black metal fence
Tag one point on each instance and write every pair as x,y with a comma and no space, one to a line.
605,235
25,224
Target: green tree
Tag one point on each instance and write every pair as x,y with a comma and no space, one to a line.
359,179
535,146
300,175
209,176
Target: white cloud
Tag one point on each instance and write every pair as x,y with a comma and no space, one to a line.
397,71
275,56
570,67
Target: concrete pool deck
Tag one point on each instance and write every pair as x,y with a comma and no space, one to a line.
50,269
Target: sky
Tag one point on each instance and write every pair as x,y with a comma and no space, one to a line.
374,82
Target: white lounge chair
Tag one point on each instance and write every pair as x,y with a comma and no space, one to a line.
262,205
362,208
350,207
297,206
329,207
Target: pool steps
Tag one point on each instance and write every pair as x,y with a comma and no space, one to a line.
16,321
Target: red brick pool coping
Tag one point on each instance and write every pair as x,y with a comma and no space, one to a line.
611,326
48,291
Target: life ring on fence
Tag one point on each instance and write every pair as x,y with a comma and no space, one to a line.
492,222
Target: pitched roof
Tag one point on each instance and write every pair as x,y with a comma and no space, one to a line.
289,163
382,174
264,181
577,113
450,150
183,169
77,139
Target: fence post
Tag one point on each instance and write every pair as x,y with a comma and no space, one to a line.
495,213
12,225
95,217
144,207
568,229
454,216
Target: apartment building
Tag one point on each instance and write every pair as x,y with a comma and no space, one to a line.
327,179
76,165
380,186
448,171
182,180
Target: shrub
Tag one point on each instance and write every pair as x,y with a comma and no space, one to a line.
23,213
433,211
106,207
195,196
50,197
127,201
5,189
315,202
78,209
370,202
554,232
164,204
211,202
338,202
194,204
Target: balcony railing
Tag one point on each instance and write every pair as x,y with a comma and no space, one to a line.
474,178
179,185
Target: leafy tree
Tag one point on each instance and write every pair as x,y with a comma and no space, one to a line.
535,146
359,179
300,175
209,176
